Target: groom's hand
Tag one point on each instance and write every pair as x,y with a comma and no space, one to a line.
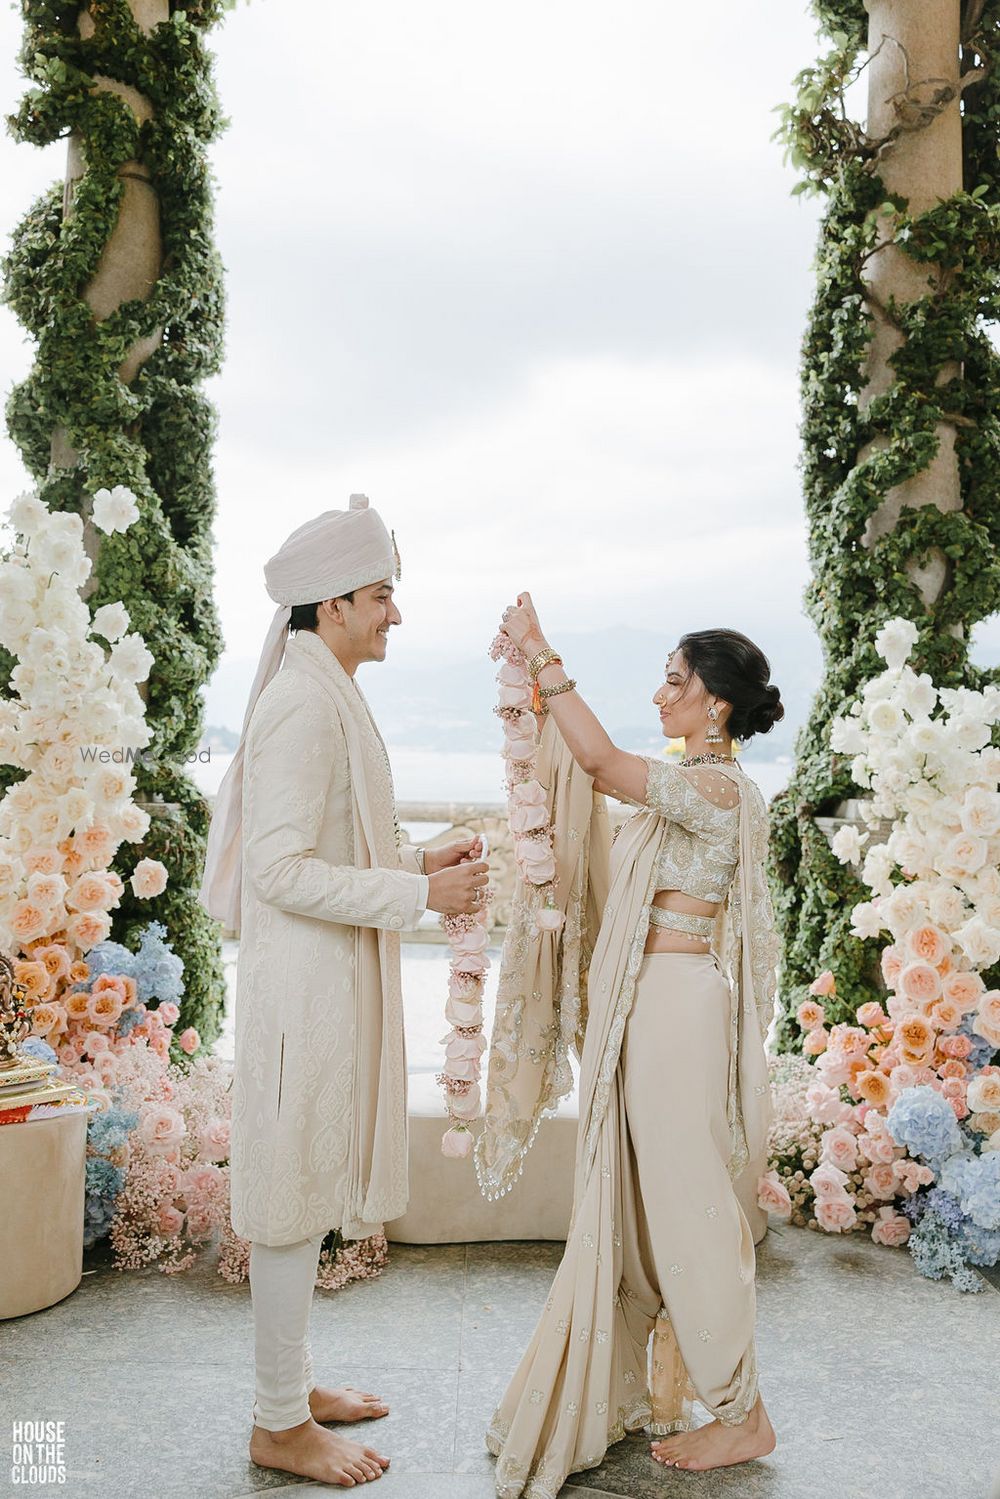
455,891
463,849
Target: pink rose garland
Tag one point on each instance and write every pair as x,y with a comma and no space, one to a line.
465,1042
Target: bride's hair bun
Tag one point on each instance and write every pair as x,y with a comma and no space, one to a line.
736,670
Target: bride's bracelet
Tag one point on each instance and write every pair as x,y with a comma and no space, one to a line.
568,686
545,657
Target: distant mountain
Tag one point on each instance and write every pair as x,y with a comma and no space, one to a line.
449,705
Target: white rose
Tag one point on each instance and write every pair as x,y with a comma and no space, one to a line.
895,640
979,942
917,694
115,509
962,855
877,868
847,737
886,717
859,771
846,844
969,732
28,514
866,920
947,907
980,812
110,621
130,658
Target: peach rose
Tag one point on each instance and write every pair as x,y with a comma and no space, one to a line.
36,979
29,921
954,1046
945,1014
835,1214
824,984
871,1014
875,1088
890,1227
189,1041
891,962
79,971
919,982
149,878
963,988
91,892
56,959
815,1042
77,1004
912,1174
983,1094
772,1195
41,860
928,943
915,1038
809,1015
952,1068
96,844
87,928
987,1021
880,1180
44,1018
105,1007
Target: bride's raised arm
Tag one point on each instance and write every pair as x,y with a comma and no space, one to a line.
614,770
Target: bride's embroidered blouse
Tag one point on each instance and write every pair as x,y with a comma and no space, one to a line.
702,844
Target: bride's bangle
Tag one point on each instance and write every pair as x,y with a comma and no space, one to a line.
568,686
545,657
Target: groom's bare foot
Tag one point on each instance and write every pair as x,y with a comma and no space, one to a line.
717,1445
312,1452
345,1404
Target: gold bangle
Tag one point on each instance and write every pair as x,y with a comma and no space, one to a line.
568,686
543,658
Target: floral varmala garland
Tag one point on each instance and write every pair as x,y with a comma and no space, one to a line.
532,834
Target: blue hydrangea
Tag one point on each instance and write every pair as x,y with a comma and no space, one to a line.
945,1207
34,1046
157,970
109,1129
982,1050
128,1020
981,1246
925,1123
936,1254
975,1181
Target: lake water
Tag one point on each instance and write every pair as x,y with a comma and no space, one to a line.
436,776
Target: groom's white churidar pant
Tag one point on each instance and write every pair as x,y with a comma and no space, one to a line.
282,1278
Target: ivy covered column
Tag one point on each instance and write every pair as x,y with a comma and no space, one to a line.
900,429
115,275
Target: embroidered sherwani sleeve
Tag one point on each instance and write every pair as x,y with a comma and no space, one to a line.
291,758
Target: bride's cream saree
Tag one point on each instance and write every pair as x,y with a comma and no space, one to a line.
583,1382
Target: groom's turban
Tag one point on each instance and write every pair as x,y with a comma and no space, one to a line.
327,557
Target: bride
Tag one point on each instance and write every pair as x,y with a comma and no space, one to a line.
674,1094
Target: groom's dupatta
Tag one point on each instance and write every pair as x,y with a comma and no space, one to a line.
582,1382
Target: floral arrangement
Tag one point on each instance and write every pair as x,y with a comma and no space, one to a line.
526,804
465,1042
899,1126
75,707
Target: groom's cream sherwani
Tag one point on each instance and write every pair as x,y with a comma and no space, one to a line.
319,1135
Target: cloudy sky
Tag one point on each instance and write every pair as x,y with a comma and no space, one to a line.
531,278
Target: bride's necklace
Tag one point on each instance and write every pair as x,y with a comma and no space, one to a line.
709,758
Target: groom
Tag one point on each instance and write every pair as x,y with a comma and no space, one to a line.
304,856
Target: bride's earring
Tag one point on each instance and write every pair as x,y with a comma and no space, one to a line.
714,735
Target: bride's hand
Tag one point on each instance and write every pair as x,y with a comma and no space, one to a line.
521,623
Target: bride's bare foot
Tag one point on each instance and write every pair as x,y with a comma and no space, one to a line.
717,1445
312,1452
345,1404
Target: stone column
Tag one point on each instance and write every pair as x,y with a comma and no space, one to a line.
913,88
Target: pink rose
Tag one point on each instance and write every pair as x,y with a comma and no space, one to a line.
189,1040
835,1214
963,989
890,1227
202,1180
824,1105
528,794
536,860
871,1014
809,1015
828,1181
881,1180
215,1140
824,984
461,1012
912,1174
513,674
168,1012
518,696
464,1070
772,1195
168,1221
457,1142
472,940
199,1222
470,963
839,1147
891,963
465,1106
526,818
161,1128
